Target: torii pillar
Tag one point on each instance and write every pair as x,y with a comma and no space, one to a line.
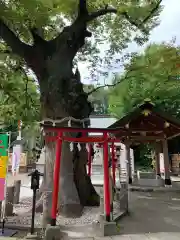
157,158
166,163
128,158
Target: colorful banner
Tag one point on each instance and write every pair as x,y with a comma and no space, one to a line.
3,145
16,156
3,163
3,166
2,188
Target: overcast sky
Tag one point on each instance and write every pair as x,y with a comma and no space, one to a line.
169,28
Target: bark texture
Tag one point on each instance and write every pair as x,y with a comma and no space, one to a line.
64,96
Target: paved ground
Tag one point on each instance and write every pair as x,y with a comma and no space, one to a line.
153,236
153,216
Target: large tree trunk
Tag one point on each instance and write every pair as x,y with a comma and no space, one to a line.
68,196
62,95
86,191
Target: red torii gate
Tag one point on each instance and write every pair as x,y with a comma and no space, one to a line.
104,140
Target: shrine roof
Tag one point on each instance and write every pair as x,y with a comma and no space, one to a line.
147,123
101,121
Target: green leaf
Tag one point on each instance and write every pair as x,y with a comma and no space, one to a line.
147,76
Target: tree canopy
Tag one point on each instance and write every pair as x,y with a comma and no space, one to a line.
23,24
151,74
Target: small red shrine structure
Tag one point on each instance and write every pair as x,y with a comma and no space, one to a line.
148,124
104,140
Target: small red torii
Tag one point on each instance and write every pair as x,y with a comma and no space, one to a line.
102,140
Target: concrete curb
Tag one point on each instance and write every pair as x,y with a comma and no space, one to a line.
37,229
20,227
121,215
8,238
142,189
134,189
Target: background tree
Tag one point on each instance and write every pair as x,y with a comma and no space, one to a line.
152,74
149,75
19,98
36,32
98,99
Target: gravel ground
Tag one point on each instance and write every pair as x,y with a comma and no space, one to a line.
22,213
23,216
89,215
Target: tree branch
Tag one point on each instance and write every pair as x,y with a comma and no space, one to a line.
107,9
82,8
130,20
102,86
127,76
152,11
108,85
140,24
12,40
38,40
101,12
5,51
24,72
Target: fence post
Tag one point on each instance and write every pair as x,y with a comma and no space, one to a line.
124,197
17,187
102,205
9,201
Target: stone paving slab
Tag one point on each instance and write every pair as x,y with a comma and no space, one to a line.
8,238
138,188
150,236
